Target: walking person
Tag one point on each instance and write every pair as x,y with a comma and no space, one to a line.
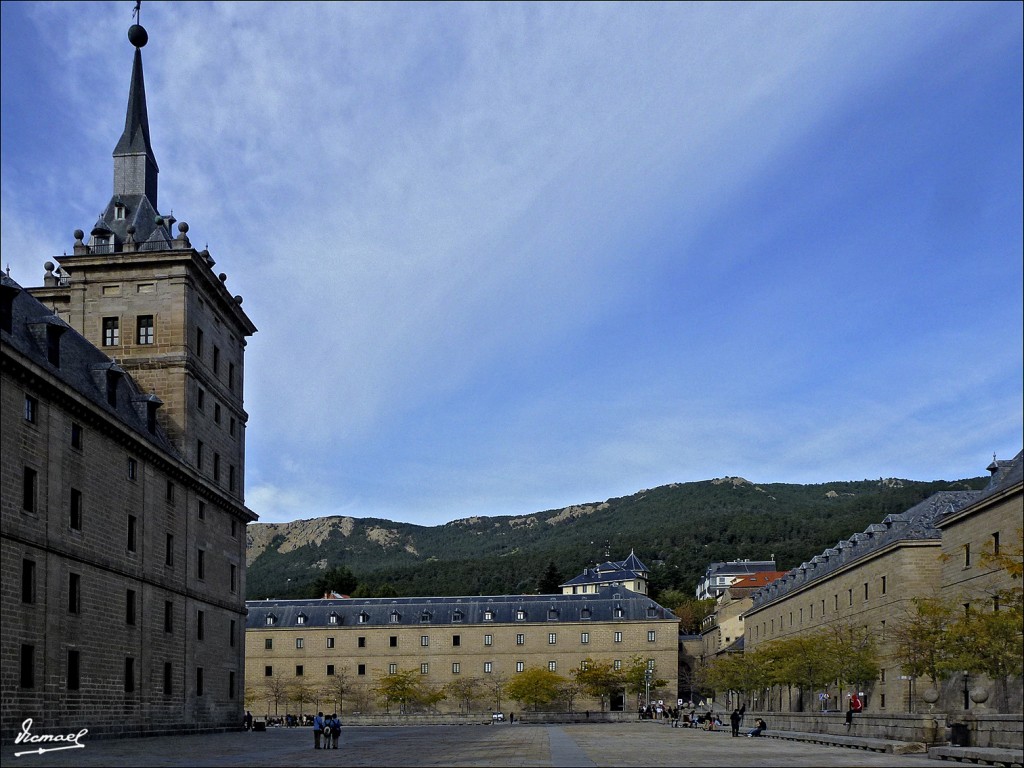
335,730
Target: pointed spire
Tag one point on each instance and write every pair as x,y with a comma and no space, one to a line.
135,168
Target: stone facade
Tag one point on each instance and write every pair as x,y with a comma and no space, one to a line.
123,549
318,645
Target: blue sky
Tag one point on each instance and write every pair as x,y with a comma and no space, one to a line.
512,257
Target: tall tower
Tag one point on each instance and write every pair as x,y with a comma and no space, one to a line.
151,301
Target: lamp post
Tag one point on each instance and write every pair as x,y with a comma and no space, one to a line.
647,686
967,688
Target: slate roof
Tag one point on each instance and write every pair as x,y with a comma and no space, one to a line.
82,366
611,572
916,524
1005,475
606,605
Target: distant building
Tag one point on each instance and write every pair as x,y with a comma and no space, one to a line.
722,630
720,576
122,457
630,574
316,648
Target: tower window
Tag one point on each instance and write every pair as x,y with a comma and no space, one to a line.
144,329
111,332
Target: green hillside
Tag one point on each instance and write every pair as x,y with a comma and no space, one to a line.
677,530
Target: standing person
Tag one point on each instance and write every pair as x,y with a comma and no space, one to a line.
743,711
248,720
318,727
734,721
335,730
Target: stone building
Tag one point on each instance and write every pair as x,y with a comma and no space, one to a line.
722,631
123,451
990,525
314,646
630,574
720,576
865,582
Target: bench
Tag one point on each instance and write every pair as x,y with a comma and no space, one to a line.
986,755
890,746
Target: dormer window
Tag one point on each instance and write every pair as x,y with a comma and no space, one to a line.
301,619
364,617
396,617
457,617
119,211
333,618
271,620
520,615
585,613
488,615
425,617
552,614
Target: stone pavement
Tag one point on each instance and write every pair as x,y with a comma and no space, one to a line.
600,744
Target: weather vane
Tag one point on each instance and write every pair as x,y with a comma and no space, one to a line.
137,13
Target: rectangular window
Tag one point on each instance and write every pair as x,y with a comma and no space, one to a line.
132,533
200,398
75,513
268,643
552,637
234,535
111,332
199,681
200,564
169,549
424,640
849,595
617,664
268,671
618,637
133,469
31,409
231,684
232,629
28,666
392,669
168,616
883,585
393,641
129,607
76,436
200,624
488,639
231,376
74,593
456,641
995,543
216,467
299,670
216,358
169,493
330,670
233,570
330,642
520,666
424,668
650,635
488,667
144,332
300,642
551,666
168,679
650,664
231,477
28,581
231,426
865,590
216,413
361,642
967,555
28,490
199,342
199,455
361,669
456,667
201,510
520,639
129,674
74,670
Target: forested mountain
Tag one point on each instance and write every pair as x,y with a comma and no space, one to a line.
677,530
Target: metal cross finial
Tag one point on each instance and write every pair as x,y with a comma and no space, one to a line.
137,13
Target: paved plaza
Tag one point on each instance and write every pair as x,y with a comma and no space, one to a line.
606,744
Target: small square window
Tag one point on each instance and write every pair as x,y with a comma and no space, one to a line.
520,639
520,666
361,669
300,642
393,641
424,640
424,668
392,669
268,671
488,667
299,670
133,469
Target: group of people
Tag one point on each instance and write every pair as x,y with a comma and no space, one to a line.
327,727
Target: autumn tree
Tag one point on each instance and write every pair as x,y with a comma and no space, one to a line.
690,610
919,638
599,679
636,678
465,690
405,688
535,687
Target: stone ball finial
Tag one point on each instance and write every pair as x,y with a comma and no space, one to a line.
159,221
223,277
137,35
79,234
130,230
48,266
183,227
238,299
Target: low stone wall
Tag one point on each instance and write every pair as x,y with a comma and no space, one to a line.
478,718
934,728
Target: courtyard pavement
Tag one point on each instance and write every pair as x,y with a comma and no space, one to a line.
645,744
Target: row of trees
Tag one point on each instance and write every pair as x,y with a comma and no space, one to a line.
534,688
